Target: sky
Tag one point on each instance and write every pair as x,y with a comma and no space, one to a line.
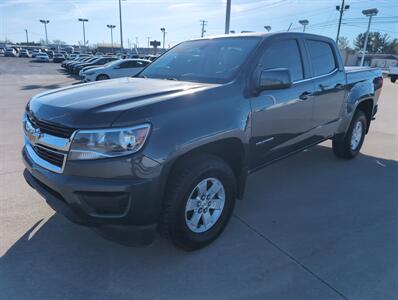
181,18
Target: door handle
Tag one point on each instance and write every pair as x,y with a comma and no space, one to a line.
305,96
323,87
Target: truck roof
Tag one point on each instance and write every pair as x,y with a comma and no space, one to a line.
266,35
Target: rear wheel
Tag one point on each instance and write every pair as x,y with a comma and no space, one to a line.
199,202
393,79
350,146
102,77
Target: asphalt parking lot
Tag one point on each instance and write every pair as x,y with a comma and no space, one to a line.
309,227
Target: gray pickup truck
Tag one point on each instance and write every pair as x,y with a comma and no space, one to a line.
171,148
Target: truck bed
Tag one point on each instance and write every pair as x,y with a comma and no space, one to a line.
352,69
359,74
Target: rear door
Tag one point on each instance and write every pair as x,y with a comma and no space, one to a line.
329,81
282,119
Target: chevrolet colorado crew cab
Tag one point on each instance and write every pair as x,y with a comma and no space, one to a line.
171,148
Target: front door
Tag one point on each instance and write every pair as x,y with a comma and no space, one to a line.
282,119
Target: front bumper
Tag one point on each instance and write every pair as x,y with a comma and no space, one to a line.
86,196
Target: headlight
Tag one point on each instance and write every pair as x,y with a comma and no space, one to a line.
94,144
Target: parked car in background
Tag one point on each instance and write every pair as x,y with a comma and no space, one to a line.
133,56
58,58
70,64
88,68
50,53
73,56
35,52
151,57
69,49
97,61
42,57
2,50
10,52
115,69
24,53
393,74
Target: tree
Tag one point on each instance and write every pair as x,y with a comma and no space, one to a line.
377,42
392,48
59,42
343,43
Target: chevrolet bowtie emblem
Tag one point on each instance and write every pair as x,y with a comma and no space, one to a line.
33,134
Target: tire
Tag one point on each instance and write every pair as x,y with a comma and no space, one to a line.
393,80
350,146
102,77
178,219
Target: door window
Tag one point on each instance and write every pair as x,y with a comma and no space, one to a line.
321,56
284,54
130,64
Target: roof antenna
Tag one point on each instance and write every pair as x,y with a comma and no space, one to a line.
290,26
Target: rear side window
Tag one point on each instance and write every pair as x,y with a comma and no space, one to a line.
321,56
284,54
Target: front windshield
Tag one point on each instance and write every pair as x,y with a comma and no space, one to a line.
209,60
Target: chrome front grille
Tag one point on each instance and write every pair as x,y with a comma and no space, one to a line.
47,145
54,157
56,130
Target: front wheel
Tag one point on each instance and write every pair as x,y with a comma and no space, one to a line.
199,202
350,146
102,77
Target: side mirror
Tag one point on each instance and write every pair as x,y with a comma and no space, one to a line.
273,79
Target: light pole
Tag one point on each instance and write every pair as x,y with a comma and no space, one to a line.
267,27
369,13
45,22
84,30
304,23
111,28
341,9
121,26
27,37
227,16
164,35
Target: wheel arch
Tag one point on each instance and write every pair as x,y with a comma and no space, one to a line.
102,74
231,150
366,106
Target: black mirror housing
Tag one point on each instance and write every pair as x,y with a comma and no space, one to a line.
273,79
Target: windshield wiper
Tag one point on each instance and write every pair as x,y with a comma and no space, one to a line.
141,76
171,78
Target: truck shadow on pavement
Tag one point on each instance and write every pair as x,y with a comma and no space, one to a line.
40,86
307,208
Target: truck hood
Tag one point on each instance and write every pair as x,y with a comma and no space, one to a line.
98,104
